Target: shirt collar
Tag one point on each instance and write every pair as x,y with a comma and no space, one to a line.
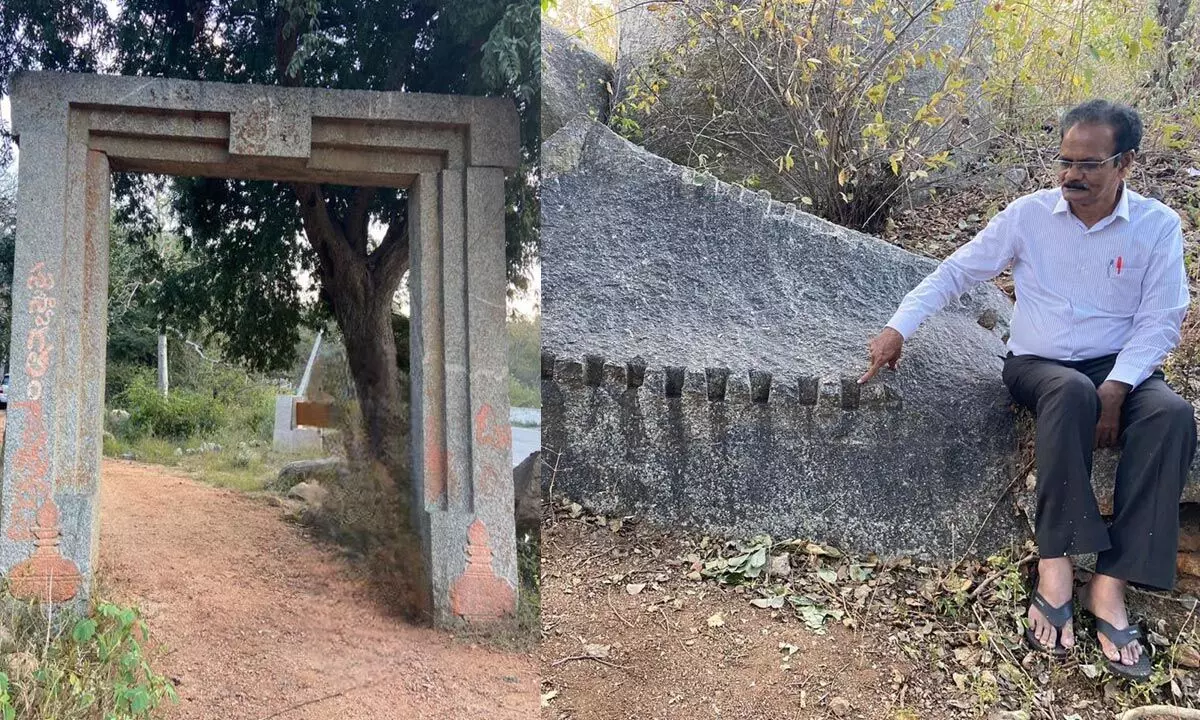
1121,211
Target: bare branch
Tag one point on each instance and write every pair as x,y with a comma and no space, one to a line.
390,259
326,237
357,223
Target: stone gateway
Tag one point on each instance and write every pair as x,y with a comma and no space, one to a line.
451,153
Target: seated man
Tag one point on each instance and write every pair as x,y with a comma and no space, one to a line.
1101,294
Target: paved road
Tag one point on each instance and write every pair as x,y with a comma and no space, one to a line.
526,441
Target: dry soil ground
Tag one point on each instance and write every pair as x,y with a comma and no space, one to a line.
632,631
252,620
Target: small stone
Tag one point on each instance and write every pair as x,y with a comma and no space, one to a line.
839,706
310,492
781,565
178,452
1017,177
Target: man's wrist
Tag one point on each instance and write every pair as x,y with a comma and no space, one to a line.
1127,373
1121,389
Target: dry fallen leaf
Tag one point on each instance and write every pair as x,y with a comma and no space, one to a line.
960,681
548,696
1187,656
716,620
596,650
635,588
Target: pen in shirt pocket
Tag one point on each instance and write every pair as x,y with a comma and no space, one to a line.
1116,264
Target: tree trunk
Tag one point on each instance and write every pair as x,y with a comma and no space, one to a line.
163,382
1170,15
366,326
359,285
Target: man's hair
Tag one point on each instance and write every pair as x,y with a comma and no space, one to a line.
1124,120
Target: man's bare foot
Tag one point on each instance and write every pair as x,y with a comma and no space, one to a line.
1104,597
1055,580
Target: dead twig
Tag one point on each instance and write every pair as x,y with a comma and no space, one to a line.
987,581
550,491
608,596
1179,636
1025,469
1151,711
314,701
602,661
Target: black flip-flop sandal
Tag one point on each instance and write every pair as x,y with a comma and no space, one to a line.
1121,638
1056,616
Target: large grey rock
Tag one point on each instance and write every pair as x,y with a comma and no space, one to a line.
654,274
326,470
575,81
644,32
527,500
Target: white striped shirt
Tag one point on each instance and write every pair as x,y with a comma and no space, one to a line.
1082,293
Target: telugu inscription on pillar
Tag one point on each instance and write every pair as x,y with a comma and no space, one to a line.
46,575
490,431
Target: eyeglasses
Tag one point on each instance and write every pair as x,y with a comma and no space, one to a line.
1085,166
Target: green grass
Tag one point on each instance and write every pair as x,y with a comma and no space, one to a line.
521,395
246,469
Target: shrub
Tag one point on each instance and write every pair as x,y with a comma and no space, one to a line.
78,668
180,415
849,107
835,105
520,395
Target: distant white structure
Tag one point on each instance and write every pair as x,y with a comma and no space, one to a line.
288,436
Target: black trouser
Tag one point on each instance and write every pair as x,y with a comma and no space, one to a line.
1157,442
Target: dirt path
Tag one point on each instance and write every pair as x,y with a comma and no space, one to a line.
254,619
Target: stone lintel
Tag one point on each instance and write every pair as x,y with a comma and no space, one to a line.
271,121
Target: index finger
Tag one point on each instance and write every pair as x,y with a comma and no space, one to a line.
875,366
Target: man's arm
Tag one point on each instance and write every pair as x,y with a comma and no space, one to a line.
1157,322
1155,331
981,259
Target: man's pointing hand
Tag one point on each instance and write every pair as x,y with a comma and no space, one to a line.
884,349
